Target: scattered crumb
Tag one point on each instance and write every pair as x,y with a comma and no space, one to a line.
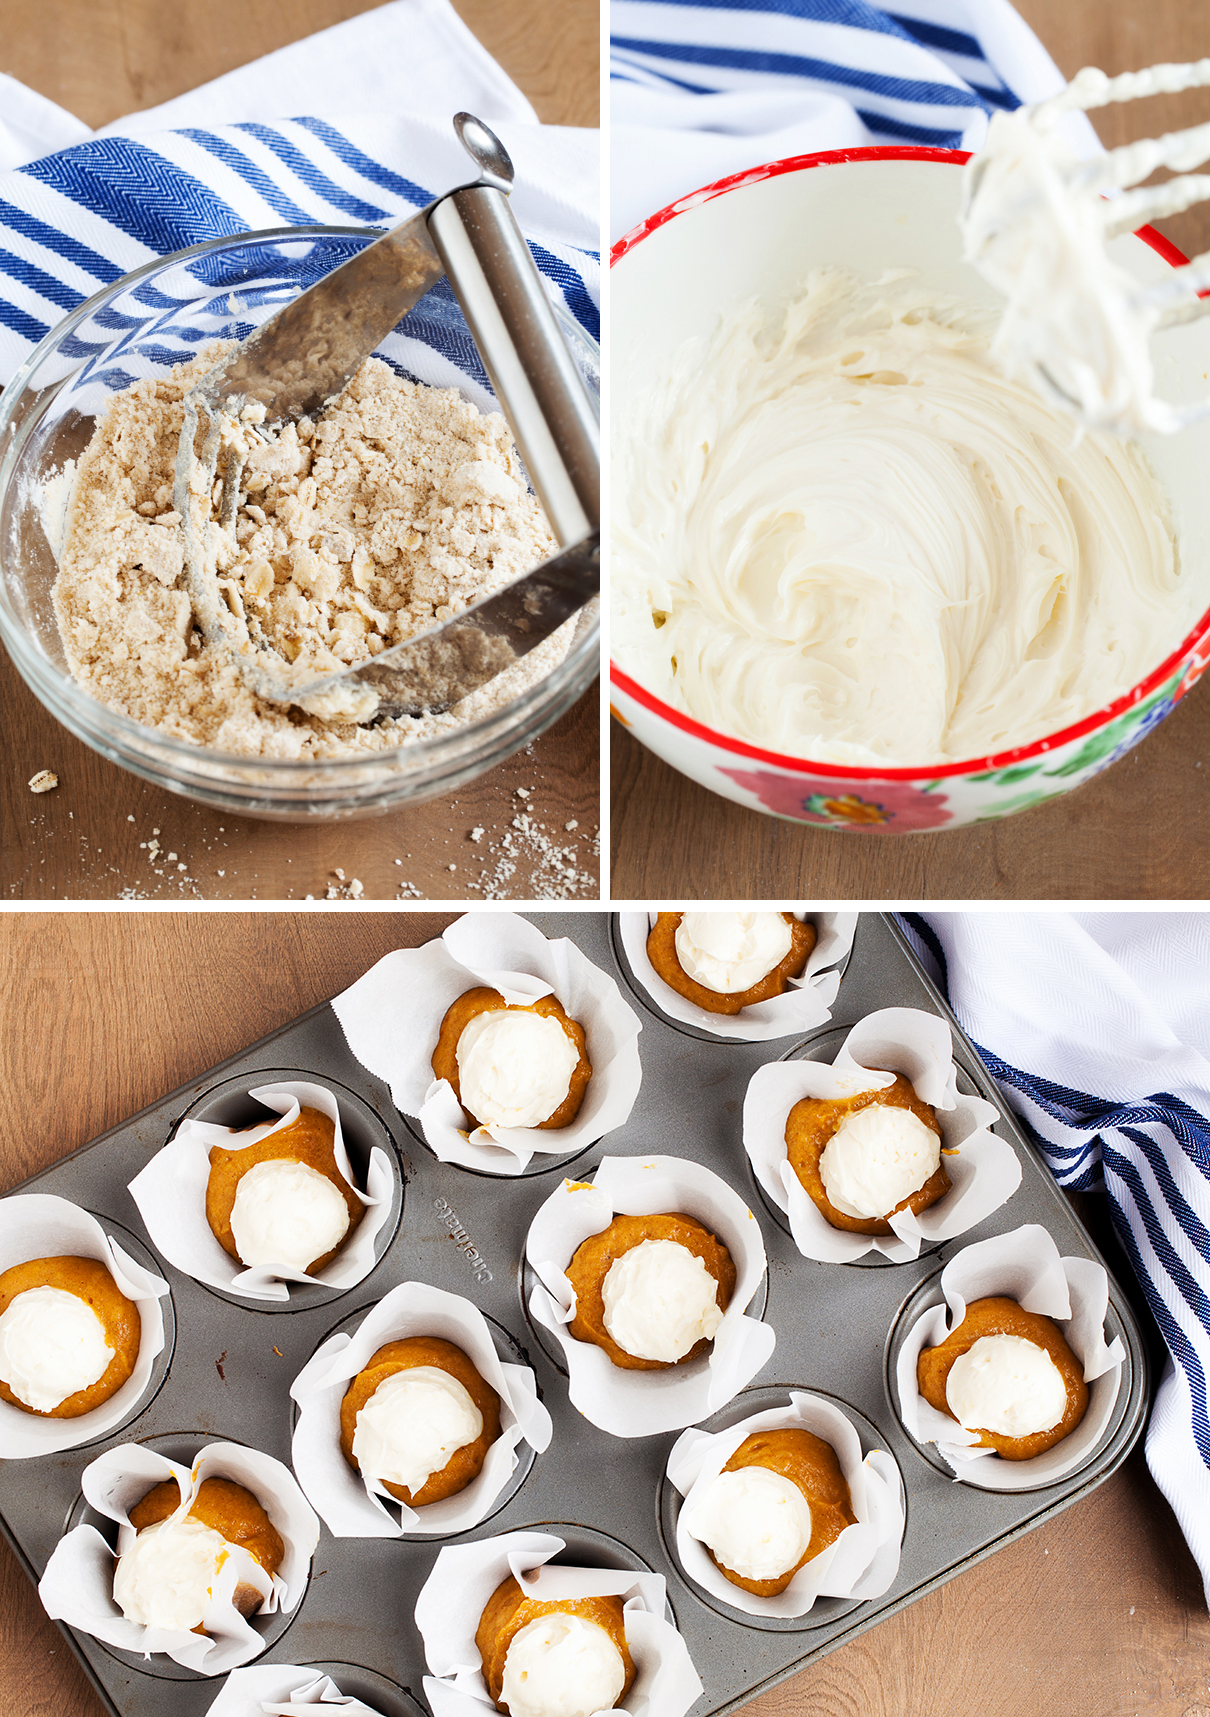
477,834
574,824
45,781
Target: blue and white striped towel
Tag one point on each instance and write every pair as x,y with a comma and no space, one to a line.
1096,1027
222,160
704,88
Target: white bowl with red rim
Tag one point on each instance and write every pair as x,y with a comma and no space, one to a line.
757,234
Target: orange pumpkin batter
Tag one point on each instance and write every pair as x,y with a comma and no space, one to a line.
508,1610
593,1260
811,1124
661,951
464,1464
91,1282
233,1512
998,1316
311,1139
484,1000
811,1464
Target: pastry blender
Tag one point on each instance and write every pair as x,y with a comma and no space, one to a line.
301,359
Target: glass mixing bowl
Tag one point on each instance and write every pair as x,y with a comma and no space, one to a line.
142,325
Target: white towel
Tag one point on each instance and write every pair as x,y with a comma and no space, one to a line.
701,89
1096,1026
349,127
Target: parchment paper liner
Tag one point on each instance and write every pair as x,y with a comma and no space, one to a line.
464,1577
284,1690
864,1559
641,1403
393,1015
171,1195
349,1503
806,1004
77,1586
39,1225
1024,1266
983,1168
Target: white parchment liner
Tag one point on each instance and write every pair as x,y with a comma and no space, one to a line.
171,1195
77,1586
39,1225
285,1690
1024,1266
641,1403
464,1577
806,1004
392,1018
982,1167
349,1502
863,1560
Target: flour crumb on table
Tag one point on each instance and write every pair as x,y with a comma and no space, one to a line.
45,781
398,508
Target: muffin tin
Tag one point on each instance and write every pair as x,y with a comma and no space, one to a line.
232,1362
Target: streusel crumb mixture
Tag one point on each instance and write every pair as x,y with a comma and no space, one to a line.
399,506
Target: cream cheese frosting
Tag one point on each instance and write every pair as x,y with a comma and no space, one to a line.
1008,1385
842,533
412,1424
660,1300
561,1665
52,1344
166,1578
877,1157
514,1067
730,951
757,1522
287,1213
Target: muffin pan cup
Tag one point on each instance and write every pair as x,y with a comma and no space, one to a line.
233,1363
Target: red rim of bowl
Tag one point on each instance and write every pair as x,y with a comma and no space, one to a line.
802,765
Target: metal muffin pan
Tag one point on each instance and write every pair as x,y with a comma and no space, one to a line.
233,1362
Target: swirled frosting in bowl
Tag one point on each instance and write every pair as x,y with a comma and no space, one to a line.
842,533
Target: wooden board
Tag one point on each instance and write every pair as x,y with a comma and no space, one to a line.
1137,831
87,840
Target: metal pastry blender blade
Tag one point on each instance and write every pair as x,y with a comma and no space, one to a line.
302,358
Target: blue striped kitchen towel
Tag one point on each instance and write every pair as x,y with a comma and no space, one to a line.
1096,1027
704,88
75,221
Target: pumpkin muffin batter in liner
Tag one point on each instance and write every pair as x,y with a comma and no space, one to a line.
1024,1266
42,1226
392,1020
175,1190
267,1687
354,1505
462,1582
983,1169
804,1004
639,1402
77,1586
861,1562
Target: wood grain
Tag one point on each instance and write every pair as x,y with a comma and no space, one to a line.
1138,831
82,842
1099,1612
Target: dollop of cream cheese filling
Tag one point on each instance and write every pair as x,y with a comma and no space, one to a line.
52,1344
412,1424
286,1212
166,1578
1008,1385
730,951
877,1157
660,1301
756,1521
845,535
514,1067
562,1665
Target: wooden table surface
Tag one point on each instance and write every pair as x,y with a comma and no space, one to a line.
1138,831
102,59
1098,1612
